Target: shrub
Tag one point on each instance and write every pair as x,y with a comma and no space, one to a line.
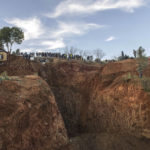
128,76
142,64
142,61
145,82
4,76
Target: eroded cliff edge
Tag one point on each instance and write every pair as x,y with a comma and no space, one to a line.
29,116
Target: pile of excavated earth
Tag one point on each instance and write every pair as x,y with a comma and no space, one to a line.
73,105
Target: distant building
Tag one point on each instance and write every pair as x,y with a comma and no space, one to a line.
3,56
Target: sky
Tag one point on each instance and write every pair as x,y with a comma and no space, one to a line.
50,25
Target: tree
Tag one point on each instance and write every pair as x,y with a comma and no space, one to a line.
9,36
66,51
85,55
99,54
17,52
81,52
142,61
134,53
122,54
1,45
140,52
72,50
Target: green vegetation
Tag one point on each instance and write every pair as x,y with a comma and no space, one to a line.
144,81
130,76
142,61
123,56
4,76
99,55
9,36
1,45
134,53
17,52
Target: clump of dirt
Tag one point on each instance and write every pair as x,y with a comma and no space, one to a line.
29,116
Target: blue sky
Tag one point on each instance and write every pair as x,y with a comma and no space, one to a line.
111,25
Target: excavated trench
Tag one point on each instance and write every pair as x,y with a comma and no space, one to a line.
72,93
99,101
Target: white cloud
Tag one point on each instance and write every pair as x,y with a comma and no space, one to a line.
73,7
53,44
32,27
111,38
35,34
27,50
41,36
69,29
31,49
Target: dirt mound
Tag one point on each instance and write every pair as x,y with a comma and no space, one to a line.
120,67
29,117
20,66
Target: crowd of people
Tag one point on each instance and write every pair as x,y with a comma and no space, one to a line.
54,55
